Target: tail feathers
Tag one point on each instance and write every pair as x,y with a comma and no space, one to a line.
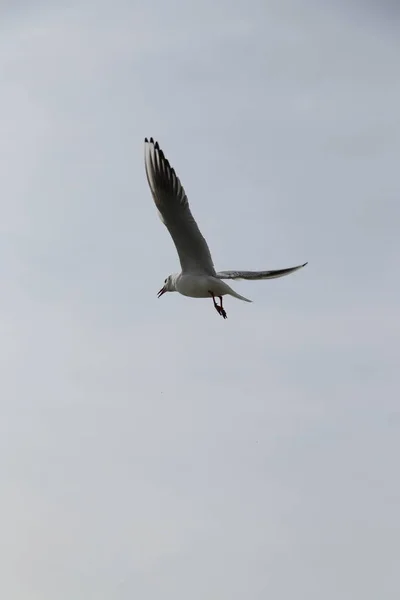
238,296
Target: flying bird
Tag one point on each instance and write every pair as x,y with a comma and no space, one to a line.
198,278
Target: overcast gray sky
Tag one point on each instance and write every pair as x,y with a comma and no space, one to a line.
148,448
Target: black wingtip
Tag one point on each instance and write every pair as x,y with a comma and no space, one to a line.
151,141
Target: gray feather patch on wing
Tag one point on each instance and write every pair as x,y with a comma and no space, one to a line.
254,275
173,208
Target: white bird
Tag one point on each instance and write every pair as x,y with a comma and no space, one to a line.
198,278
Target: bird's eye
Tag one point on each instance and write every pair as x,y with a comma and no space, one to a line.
165,281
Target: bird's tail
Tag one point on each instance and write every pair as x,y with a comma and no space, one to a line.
238,296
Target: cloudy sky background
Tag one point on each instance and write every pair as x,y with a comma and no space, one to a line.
149,449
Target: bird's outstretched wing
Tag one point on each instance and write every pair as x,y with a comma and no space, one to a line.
173,207
258,274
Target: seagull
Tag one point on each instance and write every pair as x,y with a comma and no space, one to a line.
198,278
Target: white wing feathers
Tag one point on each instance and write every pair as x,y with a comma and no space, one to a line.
257,274
173,207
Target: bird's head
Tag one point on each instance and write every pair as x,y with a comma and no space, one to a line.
169,286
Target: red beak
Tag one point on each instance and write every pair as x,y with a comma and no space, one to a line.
161,292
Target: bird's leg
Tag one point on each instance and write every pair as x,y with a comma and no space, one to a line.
223,312
213,297
217,307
